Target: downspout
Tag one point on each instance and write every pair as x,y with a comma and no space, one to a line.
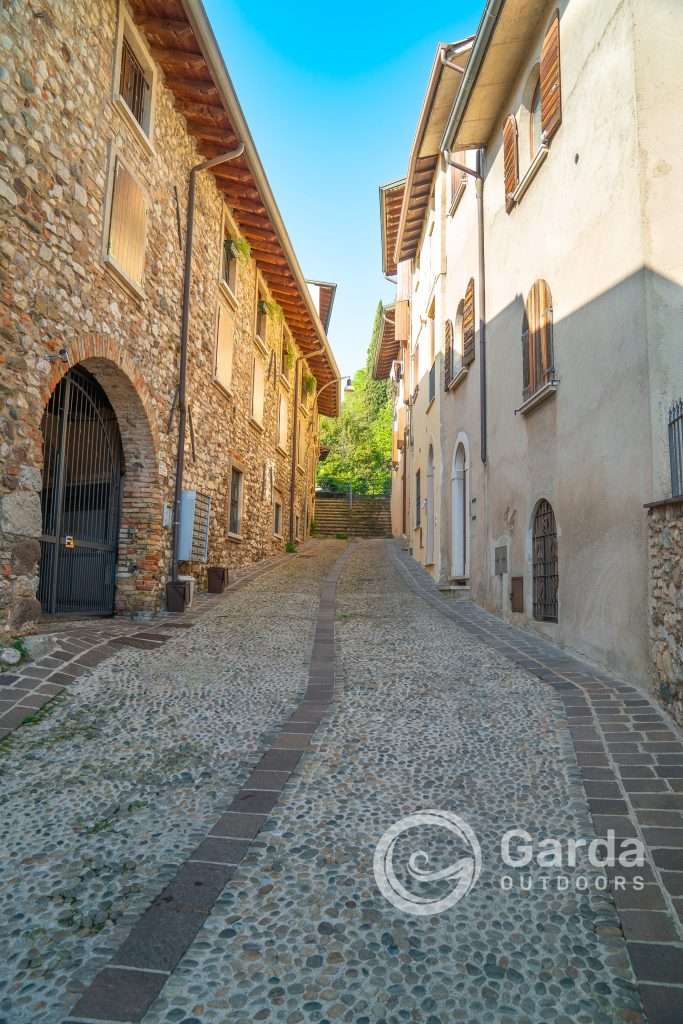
482,305
295,438
184,337
478,175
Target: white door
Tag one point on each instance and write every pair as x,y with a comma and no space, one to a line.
459,516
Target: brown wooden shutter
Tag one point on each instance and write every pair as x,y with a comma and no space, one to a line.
510,159
525,356
448,360
545,313
468,326
551,91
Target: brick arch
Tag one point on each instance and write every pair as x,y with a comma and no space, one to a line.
140,552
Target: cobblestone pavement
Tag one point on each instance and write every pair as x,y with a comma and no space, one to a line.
436,705
425,716
110,787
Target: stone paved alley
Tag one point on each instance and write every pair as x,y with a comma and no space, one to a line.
189,831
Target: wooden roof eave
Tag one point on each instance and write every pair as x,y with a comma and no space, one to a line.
500,47
183,45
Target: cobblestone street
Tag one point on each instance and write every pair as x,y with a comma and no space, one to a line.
189,831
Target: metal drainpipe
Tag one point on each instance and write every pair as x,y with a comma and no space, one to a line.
482,305
478,175
295,433
184,336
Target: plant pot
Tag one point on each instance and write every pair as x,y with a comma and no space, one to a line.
177,596
216,579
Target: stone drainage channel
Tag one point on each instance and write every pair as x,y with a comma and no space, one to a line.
127,987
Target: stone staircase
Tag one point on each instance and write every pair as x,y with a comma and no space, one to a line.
366,517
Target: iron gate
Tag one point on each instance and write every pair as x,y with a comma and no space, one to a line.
545,563
82,463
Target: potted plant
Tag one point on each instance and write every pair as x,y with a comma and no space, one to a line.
237,249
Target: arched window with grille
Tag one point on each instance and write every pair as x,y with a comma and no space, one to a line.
538,364
545,563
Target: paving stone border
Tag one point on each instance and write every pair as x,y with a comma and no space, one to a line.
82,645
631,760
125,989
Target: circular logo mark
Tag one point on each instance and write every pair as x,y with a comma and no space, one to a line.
463,874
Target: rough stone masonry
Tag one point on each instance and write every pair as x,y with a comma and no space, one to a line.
59,133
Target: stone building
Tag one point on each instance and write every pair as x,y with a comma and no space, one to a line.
535,240
106,107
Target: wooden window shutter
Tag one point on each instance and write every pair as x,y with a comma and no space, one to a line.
448,360
510,159
468,326
525,356
545,324
551,91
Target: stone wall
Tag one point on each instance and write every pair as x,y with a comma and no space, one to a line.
665,522
60,305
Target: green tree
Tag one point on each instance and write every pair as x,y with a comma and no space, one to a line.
359,439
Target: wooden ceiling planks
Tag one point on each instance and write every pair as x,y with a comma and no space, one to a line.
187,74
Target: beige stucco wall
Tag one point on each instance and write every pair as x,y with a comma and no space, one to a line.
601,223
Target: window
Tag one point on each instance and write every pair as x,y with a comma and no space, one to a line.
229,263
545,567
277,514
450,360
535,130
537,340
134,79
416,366
261,319
301,446
296,527
127,224
457,180
258,374
282,424
542,105
418,500
235,510
224,343
285,356
134,87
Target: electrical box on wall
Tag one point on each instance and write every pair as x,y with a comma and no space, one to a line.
195,509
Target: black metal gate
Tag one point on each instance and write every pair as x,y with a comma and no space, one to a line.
82,464
545,563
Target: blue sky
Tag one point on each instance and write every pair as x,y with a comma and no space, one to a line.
332,94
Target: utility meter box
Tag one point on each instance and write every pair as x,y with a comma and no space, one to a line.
195,510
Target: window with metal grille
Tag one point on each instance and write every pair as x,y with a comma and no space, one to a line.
545,566
235,510
134,85
277,514
418,500
676,447
127,224
537,340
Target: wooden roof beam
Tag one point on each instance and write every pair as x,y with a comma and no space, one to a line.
181,59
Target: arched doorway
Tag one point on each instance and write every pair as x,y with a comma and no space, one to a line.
459,514
80,498
429,546
545,565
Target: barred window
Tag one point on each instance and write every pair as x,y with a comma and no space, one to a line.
135,86
235,509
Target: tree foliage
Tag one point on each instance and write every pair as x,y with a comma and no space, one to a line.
359,440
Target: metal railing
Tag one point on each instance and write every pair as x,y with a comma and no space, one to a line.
676,447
